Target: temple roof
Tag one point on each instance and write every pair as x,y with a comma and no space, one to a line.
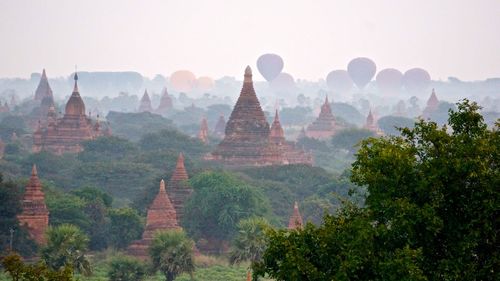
277,133
369,119
433,102
75,104
203,133
166,100
43,90
180,174
220,127
295,221
247,121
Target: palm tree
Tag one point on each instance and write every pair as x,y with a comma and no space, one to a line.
66,245
172,253
250,240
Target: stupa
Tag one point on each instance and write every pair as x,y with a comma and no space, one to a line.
203,133
432,105
165,102
65,135
371,125
145,104
43,90
324,126
295,221
179,188
161,216
35,215
220,127
247,140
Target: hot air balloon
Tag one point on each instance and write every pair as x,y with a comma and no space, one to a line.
389,81
183,81
416,80
270,66
205,83
284,83
339,81
361,71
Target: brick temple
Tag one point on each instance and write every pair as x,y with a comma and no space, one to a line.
145,103
203,132
432,105
65,135
295,221
161,216
179,189
247,140
324,126
371,125
165,102
220,127
35,215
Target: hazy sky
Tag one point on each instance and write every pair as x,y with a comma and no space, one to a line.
215,37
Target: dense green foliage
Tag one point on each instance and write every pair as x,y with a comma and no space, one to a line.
123,268
172,253
219,202
250,241
349,139
390,124
125,226
134,125
431,211
66,246
19,271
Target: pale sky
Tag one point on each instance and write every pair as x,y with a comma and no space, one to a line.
215,38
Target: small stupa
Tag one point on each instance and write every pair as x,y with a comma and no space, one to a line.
179,188
295,221
324,126
203,133
145,104
34,215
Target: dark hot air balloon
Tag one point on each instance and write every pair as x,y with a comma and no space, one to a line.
361,71
416,80
270,66
389,81
339,81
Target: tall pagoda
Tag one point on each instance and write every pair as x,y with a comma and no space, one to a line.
179,188
203,132
247,140
145,104
161,216
165,102
43,90
324,126
220,127
432,105
65,135
35,215
295,221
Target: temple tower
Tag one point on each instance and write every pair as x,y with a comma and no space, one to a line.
277,134
203,133
220,127
35,215
295,221
43,90
161,216
165,102
145,104
432,105
324,126
179,190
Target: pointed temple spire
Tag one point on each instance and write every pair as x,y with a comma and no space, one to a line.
324,126
203,133
220,127
432,105
277,133
75,88
161,216
165,102
35,214
145,104
179,190
43,90
295,221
